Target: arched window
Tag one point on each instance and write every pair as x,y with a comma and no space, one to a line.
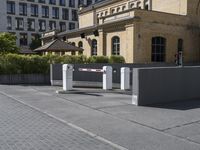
98,18
139,5
123,8
73,52
80,44
94,47
132,5
116,45
180,45
118,9
73,43
146,5
106,13
112,11
158,49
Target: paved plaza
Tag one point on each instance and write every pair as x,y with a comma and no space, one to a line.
36,118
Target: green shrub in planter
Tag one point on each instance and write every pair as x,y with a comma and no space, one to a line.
10,64
20,64
38,64
71,59
53,59
98,59
116,59
65,59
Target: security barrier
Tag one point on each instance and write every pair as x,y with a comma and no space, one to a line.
125,78
68,76
165,84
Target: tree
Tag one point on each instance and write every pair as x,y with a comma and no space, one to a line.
35,42
8,43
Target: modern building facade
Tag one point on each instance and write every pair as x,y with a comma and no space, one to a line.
143,31
88,2
28,18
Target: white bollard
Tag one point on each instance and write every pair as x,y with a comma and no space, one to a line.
125,78
67,77
107,77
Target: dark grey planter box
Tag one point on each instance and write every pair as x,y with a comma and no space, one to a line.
25,79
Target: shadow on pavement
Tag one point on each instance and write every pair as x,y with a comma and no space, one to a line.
179,105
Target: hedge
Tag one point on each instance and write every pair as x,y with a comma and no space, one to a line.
98,59
116,59
19,64
32,64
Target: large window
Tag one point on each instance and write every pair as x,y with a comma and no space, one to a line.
34,10
80,44
74,15
94,48
65,14
19,23
146,5
41,1
52,25
62,26
73,52
31,24
62,2
23,9
116,45
71,26
9,23
80,2
89,2
10,7
158,49
23,39
52,2
55,12
45,11
180,45
42,25
71,3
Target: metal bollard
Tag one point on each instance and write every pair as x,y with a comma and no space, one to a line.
67,77
125,78
107,77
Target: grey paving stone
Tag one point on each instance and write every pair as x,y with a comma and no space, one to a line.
22,127
110,121
155,117
190,131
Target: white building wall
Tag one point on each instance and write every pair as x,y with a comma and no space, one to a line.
3,18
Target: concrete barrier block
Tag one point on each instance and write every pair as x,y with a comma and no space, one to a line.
168,84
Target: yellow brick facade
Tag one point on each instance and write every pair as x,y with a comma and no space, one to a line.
136,22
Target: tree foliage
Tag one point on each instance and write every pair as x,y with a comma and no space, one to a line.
35,43
8,43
